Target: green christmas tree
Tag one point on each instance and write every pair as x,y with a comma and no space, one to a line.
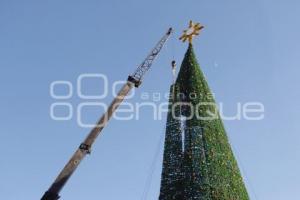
208,169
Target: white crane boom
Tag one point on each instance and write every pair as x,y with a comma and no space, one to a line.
133,80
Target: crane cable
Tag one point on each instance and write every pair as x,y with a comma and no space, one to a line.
149,178
152,167
173,60
161,139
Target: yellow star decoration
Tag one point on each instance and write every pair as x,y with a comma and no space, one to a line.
193,30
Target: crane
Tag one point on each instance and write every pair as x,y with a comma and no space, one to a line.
84,148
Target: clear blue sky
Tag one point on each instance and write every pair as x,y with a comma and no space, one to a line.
249,51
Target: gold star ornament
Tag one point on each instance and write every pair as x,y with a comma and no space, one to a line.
191,32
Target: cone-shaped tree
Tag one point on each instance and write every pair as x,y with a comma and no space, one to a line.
205,169
210,169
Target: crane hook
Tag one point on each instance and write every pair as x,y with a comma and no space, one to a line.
174,70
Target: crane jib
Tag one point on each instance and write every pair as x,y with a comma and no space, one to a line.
133,80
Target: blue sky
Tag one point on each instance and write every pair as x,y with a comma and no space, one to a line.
249,51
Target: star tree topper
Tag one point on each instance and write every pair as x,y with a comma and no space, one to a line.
191,32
